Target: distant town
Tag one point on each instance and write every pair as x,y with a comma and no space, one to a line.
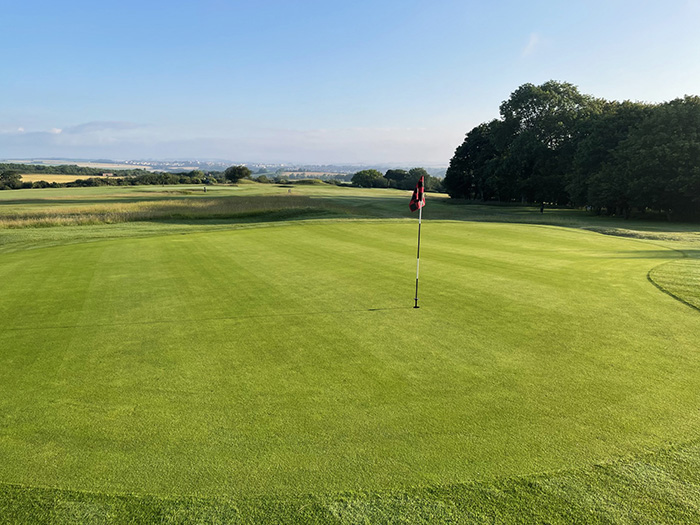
321,171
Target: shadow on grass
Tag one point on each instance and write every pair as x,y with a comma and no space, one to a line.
672,254
440,207
668,254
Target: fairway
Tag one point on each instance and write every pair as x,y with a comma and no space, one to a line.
286,360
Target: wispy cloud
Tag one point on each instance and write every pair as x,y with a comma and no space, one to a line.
110,139
86,128
102,126
95,138
533,44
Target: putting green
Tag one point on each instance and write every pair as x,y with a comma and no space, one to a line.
288,359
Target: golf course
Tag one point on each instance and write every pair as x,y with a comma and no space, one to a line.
252,355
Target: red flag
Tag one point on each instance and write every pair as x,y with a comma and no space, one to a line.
418,198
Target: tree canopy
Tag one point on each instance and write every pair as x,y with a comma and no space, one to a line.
369,179
396,178
236,173
554,144
10,179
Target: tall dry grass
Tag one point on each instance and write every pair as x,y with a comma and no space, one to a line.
184,209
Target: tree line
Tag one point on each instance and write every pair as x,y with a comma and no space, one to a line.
556,145
11,178
396,178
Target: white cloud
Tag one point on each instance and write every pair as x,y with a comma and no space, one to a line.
56,131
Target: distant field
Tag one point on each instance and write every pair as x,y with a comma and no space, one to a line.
50,177
252,356
308,174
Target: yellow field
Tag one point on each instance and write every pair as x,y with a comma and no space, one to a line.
50,177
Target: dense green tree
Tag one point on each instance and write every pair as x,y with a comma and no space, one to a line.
10,180
414,175
369,179
550,111
236,173
657,166
467,174
407,180
542,125
527,154
555,144
599,136
396,177
433,184
430,183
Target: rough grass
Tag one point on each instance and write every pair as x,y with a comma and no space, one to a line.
145,210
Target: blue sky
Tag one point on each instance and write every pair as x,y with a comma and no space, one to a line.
315,81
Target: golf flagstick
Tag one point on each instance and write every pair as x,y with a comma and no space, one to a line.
417,203
420,217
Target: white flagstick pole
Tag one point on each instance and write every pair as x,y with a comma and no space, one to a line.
420,217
